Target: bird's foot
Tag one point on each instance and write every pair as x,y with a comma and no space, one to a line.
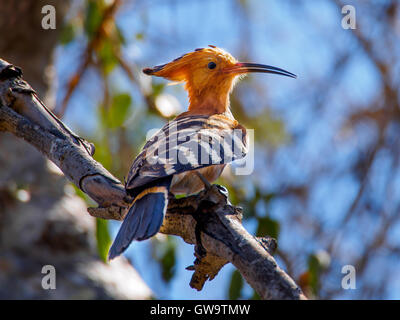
222,189
214,194
171,196
200,251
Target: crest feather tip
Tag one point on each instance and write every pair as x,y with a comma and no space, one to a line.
148,71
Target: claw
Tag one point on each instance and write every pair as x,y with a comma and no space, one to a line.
199,249
223,190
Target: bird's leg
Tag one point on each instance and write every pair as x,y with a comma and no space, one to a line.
207,184
200,251
199,248
171,196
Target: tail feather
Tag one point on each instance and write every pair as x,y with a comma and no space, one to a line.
143,219
149,214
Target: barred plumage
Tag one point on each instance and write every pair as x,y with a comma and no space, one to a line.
189,142
203,139
166,164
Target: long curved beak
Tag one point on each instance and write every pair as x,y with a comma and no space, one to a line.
247,67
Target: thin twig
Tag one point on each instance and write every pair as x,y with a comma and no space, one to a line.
88,54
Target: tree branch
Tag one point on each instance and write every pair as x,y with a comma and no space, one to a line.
222,234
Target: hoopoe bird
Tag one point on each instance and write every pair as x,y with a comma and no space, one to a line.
192,150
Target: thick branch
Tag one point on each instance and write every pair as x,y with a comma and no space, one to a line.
23,114
224,237
222,234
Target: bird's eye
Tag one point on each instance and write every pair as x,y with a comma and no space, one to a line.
211,65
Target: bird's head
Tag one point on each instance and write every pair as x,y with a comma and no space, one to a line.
209,75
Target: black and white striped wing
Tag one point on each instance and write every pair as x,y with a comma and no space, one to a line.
188,143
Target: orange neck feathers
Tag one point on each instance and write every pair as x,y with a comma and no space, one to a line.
212,98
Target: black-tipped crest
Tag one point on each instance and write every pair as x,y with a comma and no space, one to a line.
150,71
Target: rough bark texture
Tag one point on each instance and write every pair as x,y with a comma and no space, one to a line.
225,240
207,219
41,220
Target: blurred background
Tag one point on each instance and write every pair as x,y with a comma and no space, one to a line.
326,182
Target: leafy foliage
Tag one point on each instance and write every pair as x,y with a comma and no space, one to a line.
236,285
93,17
115,116
68,34
268,226
103,238
165,254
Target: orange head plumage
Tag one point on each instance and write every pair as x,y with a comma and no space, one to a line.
209,75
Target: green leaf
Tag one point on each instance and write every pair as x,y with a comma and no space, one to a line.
119,109
164,252
93,17
120,36
115,116
67,34
314,269
268,129
103,238
139,36
168,263
255,296
180,196
103,154
268,226
107,57
236,286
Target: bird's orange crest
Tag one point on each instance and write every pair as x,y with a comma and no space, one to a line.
202,71
209,75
